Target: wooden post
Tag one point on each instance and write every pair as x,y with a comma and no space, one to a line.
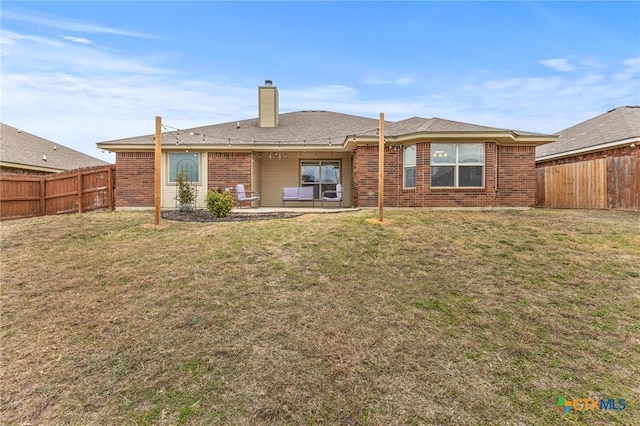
381,168
158,165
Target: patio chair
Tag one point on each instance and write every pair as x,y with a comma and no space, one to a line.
246,196
336,198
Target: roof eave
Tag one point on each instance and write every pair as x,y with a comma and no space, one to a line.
582,151
31,167
501,138
229,147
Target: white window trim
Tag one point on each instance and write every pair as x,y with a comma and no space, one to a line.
456,166
405,167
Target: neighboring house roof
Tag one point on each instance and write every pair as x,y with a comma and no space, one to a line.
322,129
619,126
22,150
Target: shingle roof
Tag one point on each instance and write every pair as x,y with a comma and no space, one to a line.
619,124
294,128
20,148
440,125
305,127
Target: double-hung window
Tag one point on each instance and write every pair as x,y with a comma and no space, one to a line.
457,165
409,166
322,175
185,162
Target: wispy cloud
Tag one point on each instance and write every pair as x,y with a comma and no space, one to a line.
10,39
88,94
630,69
27,52
551,104
70,25
399,81
560,64
80,40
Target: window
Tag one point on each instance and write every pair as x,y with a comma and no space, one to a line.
323,175
457,165
409,163
187,162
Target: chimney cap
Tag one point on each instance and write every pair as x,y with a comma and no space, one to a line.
268,83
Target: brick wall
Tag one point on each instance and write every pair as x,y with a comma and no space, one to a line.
511,184
517,176
227,169
135,177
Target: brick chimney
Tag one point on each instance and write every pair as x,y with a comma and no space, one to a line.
268,105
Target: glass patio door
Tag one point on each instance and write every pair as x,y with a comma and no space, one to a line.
322,175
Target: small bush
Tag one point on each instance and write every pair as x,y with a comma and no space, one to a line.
219,202
186,193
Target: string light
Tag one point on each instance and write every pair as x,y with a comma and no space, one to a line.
175,133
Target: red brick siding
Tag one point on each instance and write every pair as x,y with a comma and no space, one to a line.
365,176
517,176
515,186
135,177
227,169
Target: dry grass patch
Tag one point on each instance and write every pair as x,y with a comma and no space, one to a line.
437,317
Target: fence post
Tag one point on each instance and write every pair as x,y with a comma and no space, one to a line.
110,187
43,197
80,192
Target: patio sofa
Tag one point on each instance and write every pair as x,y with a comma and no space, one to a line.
297,193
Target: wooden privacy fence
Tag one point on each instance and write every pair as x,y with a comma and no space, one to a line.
602,183
67,192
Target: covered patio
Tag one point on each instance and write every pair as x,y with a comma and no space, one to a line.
292,209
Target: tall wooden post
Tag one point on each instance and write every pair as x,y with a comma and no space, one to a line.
158,165
381,168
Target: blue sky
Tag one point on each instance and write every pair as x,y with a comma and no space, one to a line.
79,73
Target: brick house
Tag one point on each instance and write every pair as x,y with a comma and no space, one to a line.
593,164
428,162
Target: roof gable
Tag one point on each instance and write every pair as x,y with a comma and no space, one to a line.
418,124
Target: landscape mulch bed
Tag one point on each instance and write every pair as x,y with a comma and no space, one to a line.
207,216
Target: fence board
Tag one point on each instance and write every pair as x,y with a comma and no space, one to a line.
623,174
74,191
601,183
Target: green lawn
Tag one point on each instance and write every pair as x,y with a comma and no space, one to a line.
433,317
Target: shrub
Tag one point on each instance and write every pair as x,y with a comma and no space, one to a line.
186,193
219,202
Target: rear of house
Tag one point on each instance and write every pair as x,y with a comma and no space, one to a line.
429,162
